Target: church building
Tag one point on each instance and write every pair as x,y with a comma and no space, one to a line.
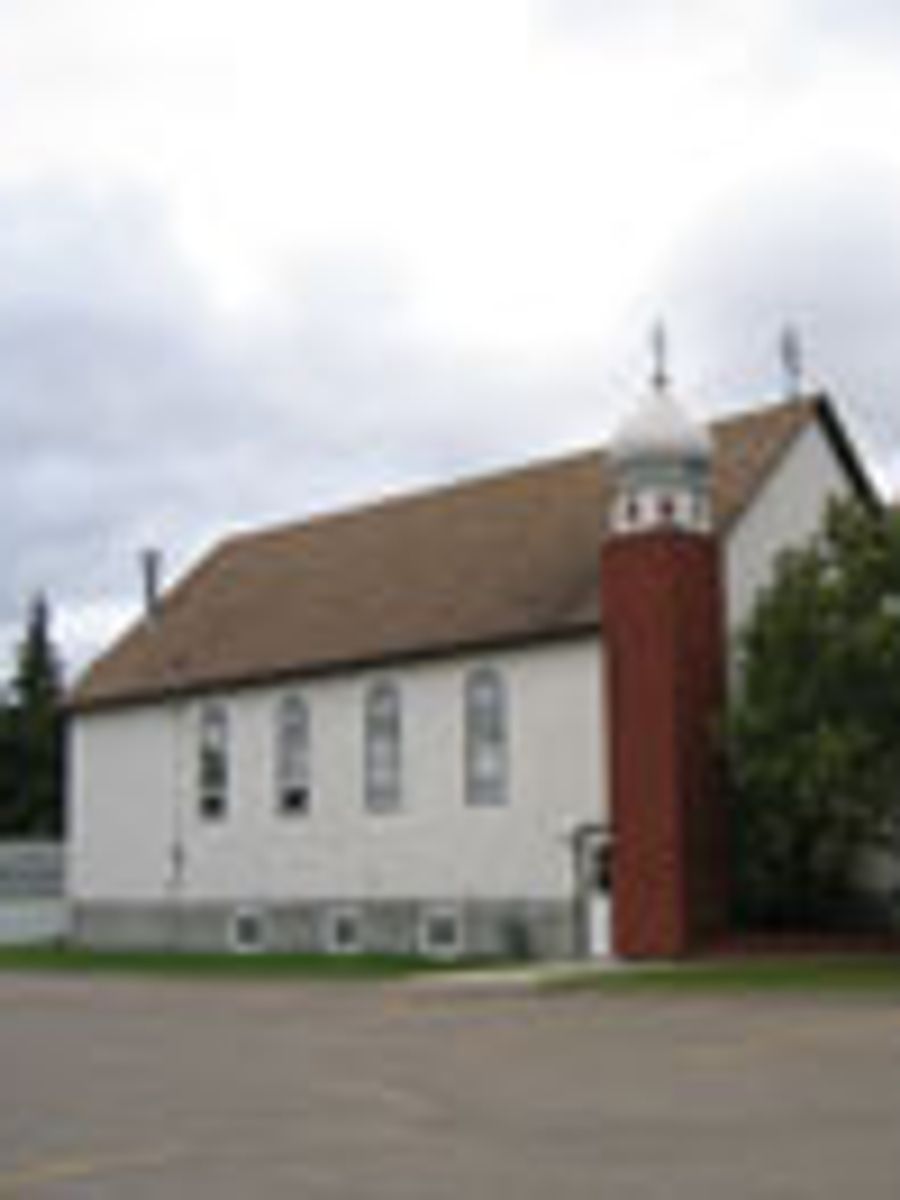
477,720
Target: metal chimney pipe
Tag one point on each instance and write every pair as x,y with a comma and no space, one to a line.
151,570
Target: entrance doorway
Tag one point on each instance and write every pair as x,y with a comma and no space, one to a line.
593,866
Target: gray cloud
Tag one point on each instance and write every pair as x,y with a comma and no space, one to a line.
132,412
859,20
869,23
816,248
787,46
111,382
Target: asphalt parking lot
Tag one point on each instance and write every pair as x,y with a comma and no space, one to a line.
130,1088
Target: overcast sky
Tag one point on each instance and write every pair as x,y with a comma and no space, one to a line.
258,259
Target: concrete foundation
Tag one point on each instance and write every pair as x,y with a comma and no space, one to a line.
516,928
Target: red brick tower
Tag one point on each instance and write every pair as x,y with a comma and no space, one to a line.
664,660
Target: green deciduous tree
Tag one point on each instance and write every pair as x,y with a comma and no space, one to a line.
814,729
31,735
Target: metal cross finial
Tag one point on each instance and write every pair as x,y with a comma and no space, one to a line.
660,349
792,360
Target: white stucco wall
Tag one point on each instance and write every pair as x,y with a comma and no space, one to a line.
787,511
121,803
133,792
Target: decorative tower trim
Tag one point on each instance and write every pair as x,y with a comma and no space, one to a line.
661,460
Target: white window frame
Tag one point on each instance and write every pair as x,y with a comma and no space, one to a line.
213,760
486,735
383,747
333,918
254,913
293,762
429,948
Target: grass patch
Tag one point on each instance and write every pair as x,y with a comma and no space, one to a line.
821,975
215,965
824,975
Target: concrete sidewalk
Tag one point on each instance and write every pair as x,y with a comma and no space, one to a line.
524,977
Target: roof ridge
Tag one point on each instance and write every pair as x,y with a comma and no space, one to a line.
494,476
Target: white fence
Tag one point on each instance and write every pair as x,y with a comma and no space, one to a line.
33,907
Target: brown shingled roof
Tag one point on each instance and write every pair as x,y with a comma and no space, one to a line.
498,560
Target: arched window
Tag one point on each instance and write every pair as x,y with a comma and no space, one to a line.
486,737
292,759
382,747
212,761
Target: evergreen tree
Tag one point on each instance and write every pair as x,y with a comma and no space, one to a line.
32,736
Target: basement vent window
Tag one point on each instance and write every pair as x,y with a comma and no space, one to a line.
248,932
344,931
440,933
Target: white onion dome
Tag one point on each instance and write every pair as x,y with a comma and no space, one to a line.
660,431
662,463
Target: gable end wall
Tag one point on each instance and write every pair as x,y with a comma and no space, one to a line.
787,511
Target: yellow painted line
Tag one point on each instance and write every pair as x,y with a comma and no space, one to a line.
83,1167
